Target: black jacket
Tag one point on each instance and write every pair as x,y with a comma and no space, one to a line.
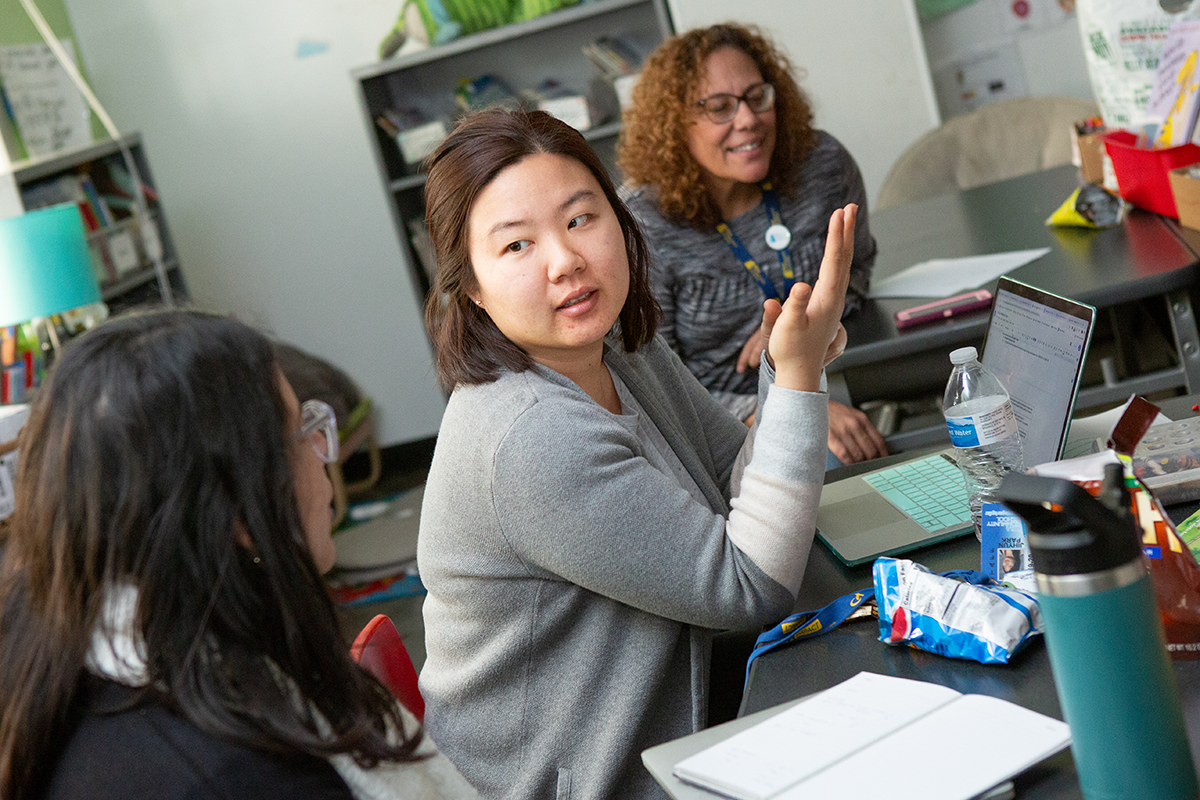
128,752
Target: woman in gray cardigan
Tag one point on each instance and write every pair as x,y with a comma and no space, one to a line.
592,515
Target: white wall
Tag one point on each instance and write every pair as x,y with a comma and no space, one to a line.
270,190
988,44
867,75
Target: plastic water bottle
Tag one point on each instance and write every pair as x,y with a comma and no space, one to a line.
982,428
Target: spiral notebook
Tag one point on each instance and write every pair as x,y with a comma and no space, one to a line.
878,736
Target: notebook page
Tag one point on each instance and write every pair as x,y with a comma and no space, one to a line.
783,750
959,751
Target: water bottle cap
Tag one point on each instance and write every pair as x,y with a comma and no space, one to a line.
964,355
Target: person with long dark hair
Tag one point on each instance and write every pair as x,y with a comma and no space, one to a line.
592,514
165,629
733,186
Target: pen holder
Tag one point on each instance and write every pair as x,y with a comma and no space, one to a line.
1142,174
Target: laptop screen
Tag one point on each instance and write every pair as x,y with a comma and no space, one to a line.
1036,344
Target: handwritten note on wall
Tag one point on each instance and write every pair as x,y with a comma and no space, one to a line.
50,112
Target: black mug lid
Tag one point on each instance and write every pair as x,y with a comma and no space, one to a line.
1071,532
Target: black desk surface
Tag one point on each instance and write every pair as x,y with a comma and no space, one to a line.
809,666
1142,257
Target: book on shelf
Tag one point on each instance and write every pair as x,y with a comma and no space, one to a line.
614,56
97,201
879,736
483,92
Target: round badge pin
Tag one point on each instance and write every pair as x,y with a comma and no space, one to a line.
778,237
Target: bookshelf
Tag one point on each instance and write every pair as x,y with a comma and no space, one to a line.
522,55
93,176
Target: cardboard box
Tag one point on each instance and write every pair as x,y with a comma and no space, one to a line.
572,109
624,89
1186,188
1087,153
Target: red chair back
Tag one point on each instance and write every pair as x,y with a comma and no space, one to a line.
379,650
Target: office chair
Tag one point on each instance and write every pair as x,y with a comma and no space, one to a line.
992,143
380,651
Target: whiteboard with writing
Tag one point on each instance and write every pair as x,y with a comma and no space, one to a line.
50,113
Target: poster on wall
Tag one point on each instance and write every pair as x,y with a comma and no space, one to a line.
1029,15
49,112
967,83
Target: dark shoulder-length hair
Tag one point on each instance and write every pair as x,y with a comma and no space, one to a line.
653,149
468,347
156,451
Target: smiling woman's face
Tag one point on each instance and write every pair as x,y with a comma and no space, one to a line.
738,151
549,258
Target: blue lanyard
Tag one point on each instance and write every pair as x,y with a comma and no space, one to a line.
774,217
807,624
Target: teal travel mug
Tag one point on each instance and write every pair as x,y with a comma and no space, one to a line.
1105,639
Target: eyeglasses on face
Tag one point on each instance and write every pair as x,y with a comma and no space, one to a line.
318,426
722,108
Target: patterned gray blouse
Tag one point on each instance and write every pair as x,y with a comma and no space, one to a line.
711,305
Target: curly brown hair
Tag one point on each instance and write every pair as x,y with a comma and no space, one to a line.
653,148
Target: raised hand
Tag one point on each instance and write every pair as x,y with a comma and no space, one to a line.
805,333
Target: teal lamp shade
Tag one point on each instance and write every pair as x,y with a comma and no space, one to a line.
45,266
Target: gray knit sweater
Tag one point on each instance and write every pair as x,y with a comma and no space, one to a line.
710,303
574,588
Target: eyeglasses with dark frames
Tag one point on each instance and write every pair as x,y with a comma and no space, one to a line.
722,108
318,426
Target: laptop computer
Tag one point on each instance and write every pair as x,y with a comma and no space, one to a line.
1036,343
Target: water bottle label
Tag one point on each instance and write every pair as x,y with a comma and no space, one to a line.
980,429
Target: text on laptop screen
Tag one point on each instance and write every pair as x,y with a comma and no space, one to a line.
1036,343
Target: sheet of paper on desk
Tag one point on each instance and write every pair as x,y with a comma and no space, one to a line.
943,277
879,736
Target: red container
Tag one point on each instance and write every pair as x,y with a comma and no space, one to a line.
1142,174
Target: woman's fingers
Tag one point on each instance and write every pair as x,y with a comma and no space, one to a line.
837,346
834,276
807,329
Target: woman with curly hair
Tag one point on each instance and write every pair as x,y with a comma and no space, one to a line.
733,188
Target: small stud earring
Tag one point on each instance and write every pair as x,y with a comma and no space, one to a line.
478,303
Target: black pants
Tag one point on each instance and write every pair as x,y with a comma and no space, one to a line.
727,674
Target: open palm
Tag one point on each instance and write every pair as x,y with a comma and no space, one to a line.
805,333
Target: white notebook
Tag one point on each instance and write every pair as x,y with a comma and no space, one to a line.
879,736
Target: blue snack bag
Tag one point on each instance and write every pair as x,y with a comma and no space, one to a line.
962,615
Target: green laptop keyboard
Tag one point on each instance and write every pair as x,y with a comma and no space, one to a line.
930,490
